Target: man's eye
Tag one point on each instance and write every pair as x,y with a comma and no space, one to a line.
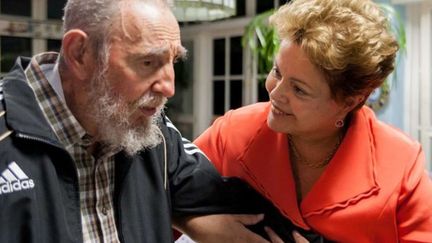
147,63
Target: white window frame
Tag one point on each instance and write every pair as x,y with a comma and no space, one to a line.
228,77
203,36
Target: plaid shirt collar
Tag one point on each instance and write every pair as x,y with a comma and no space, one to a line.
63,123
95,173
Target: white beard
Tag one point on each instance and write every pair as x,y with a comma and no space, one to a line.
113,118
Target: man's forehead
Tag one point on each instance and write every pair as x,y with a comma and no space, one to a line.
147,22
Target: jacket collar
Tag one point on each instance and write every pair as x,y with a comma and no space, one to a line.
266,161
23,114
349,177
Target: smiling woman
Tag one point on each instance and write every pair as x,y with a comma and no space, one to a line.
261,39
314,150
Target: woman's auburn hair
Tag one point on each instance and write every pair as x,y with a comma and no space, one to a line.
348,40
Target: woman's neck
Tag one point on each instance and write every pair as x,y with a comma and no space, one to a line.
315,151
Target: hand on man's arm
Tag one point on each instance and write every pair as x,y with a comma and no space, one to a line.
226,228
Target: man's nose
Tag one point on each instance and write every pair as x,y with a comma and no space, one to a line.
164,82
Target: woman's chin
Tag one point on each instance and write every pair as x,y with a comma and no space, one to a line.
277,125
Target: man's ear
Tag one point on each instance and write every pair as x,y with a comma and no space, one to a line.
77,53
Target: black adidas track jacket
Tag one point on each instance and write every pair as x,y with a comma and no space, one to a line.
39,194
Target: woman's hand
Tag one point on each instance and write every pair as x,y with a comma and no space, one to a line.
299,238
276,239
272,235
226,228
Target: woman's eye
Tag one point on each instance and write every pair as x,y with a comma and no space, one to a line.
299,91
276,72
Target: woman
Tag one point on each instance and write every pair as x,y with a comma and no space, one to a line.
315,150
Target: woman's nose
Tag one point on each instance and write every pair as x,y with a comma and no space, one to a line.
279,92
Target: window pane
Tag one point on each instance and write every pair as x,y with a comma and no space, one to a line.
218,97
53,45
240,8
11,48
236,56
262,92
263,5
55,9
13,7
219,57
236,96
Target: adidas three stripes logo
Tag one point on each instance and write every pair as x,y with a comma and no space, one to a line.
13,179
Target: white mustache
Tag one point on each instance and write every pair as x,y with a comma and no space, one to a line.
150,100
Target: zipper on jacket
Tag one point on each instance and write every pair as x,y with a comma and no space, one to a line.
50,143
37,139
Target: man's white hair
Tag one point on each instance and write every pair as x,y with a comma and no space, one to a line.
97,15
97,19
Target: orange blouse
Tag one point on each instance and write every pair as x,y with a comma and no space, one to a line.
375,188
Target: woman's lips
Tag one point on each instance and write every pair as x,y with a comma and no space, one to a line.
277,111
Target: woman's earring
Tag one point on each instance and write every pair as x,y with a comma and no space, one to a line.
339,123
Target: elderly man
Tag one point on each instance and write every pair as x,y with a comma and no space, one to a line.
86,153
